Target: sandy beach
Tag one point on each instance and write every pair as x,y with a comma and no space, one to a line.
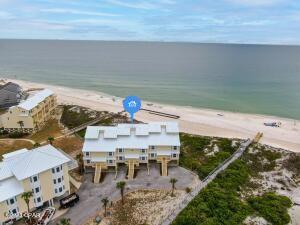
192,120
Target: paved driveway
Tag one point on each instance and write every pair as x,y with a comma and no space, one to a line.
91,194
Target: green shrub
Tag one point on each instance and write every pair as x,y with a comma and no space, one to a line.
273,207
17,135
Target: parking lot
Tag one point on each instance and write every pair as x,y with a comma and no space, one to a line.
91,194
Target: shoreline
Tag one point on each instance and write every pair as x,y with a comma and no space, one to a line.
192,120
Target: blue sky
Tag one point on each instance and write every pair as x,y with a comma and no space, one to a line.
226,21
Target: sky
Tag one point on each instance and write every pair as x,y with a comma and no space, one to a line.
216,21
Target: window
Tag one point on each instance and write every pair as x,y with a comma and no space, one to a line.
59,180
60,189
120,150
37,190
88,161
14,211
35,178
87,154
54,181
143,150
174,155
60,167
62,177
152,147
11,201
53,170
175,147
143,158
153,155
38,199
121,158
55,191
57,169
64,187
110,161
110,154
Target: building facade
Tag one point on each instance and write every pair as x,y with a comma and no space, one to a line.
10,94
30,115
42,171
132,145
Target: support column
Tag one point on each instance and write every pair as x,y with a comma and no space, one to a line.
116,171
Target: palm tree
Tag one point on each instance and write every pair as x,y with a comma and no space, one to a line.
79,158
21,123
50,139
173,182
105,202
26,197
64,221
121,186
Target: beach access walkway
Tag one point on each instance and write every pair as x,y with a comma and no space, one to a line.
211,176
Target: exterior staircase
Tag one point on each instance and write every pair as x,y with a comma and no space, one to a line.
131,169
97,173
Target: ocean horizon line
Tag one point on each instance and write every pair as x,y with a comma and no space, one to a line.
159,41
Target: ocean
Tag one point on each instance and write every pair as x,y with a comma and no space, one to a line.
258,79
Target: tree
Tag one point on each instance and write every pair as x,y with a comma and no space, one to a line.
79,158
64,221
21,123
36,144
26,197
50,140
121,186
105,202
173,182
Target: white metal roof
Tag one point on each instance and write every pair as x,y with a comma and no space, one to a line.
33,101
5,171
135,136
12,154
32,162
10,188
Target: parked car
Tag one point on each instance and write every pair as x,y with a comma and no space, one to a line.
69,201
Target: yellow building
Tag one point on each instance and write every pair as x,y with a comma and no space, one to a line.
30,115
131,144
42,171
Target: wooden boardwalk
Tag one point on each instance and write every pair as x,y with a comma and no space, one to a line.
172,216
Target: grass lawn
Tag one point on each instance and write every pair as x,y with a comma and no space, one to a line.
13,145
51,129
69,144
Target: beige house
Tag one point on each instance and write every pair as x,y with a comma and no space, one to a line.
131,144
42,171
30,115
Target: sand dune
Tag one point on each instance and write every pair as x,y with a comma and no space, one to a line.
192,120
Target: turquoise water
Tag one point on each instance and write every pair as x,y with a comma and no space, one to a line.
244,78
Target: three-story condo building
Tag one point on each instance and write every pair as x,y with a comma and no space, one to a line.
131,144
42,171
31,114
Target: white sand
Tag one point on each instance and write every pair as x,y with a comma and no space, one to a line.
192,120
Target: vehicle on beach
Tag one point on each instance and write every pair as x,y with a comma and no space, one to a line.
69,201
46,216
273,124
